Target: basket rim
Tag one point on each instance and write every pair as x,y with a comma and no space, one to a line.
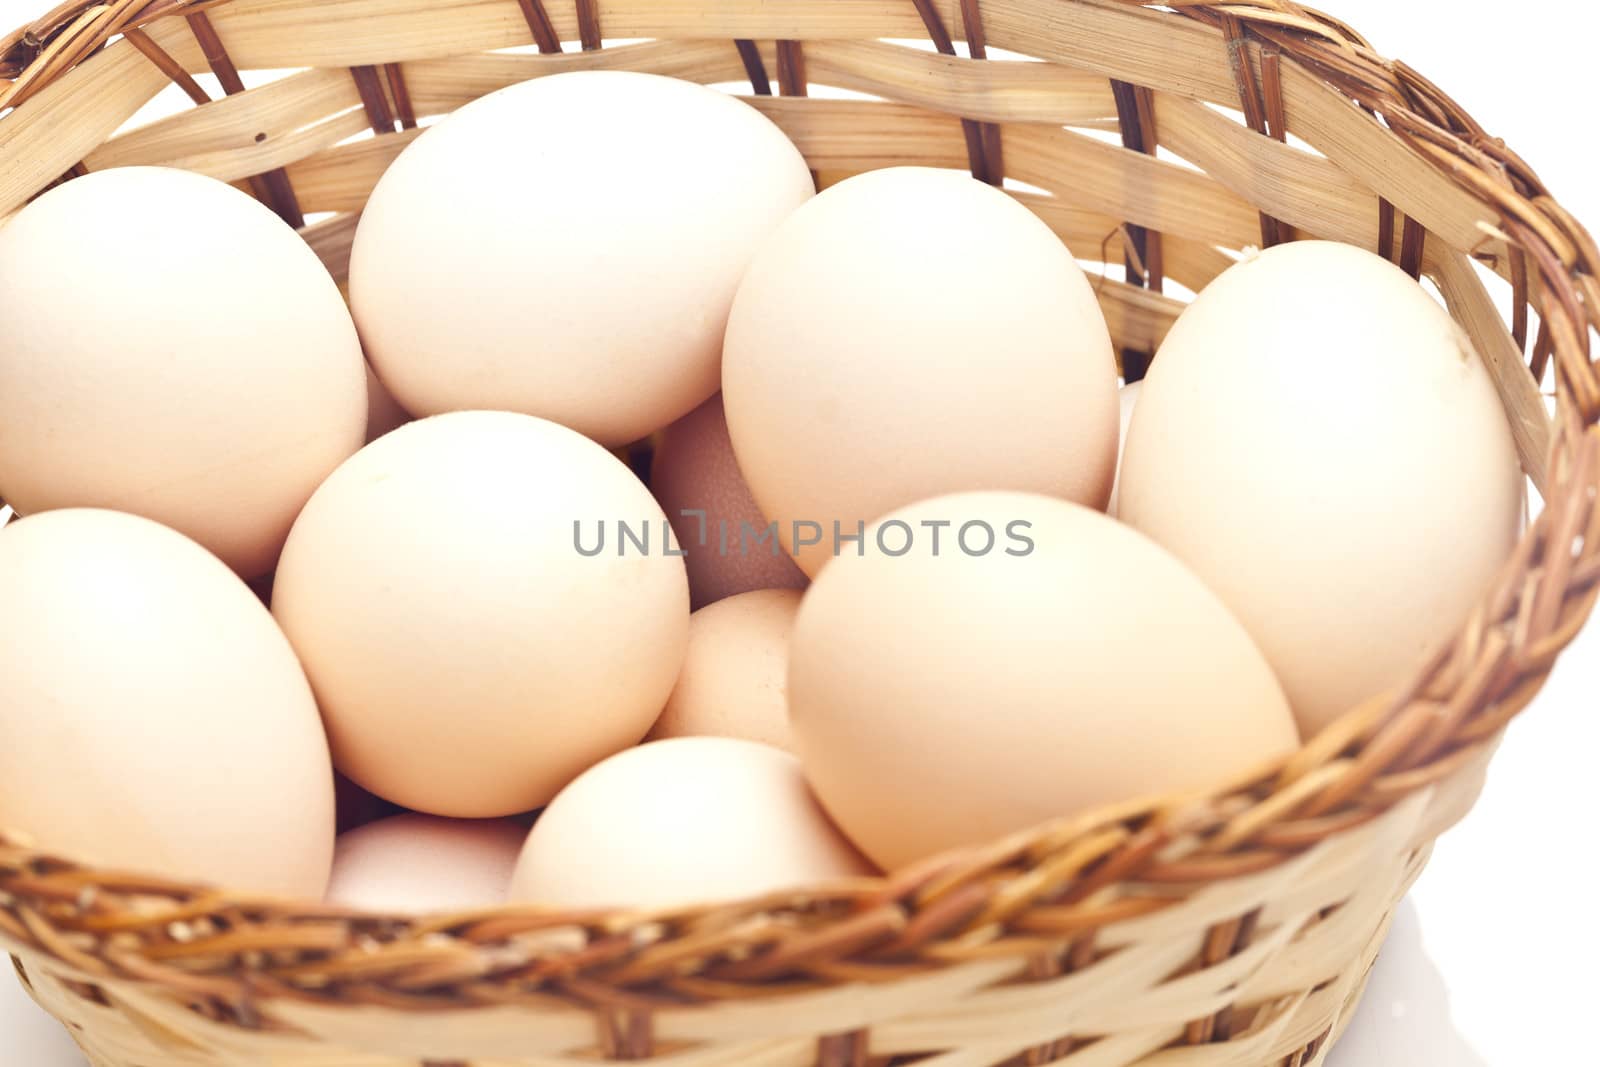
1390,748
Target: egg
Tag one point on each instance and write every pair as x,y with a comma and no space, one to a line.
154,719
715,519
679,822
1129,398
416,864
168,347
1344,478
998,660
472,649
735,671
909,333
568,248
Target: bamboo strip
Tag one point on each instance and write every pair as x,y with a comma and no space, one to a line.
442,85
1118,41
993,91
1137,317
235,123
1102,36
857,135
990,91
1108,38
330,239
169,66
1189,59
861,1005
1474,309
72,40
180,44
340,179
1013,1010
1296,186
1097,237
346,33
971,1011
1129,185
1372,156
71,117
1324,949
240,163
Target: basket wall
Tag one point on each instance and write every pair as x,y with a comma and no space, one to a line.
1231,929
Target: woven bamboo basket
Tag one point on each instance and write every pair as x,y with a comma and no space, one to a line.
1235,928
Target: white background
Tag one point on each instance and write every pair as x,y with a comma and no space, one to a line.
1490,964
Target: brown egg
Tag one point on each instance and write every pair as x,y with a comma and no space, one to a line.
415,864
1344,479
213,380
154,719
1036,660
734,677
568,247
909,333
679,822
713,515
469,656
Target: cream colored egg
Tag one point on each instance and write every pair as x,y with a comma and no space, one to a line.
471,650
719,528
1319,442
152,717
686,821
734,676
998,660
912,332
168,347
568,247
1129,398
415,864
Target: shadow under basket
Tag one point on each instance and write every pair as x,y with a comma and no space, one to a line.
1231,929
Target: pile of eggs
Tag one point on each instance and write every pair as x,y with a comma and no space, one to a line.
885,424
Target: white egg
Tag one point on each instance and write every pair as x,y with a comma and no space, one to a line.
1320,443
569,248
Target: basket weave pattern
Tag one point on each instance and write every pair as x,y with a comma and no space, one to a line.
1234,928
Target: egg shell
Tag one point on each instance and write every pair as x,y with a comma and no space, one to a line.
680,822
153,718
169,347
568,247
735,673
948,696
696,478
469,659
1319,442
1128,399
417,864
908,333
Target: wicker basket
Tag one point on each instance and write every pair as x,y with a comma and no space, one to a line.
1235,928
